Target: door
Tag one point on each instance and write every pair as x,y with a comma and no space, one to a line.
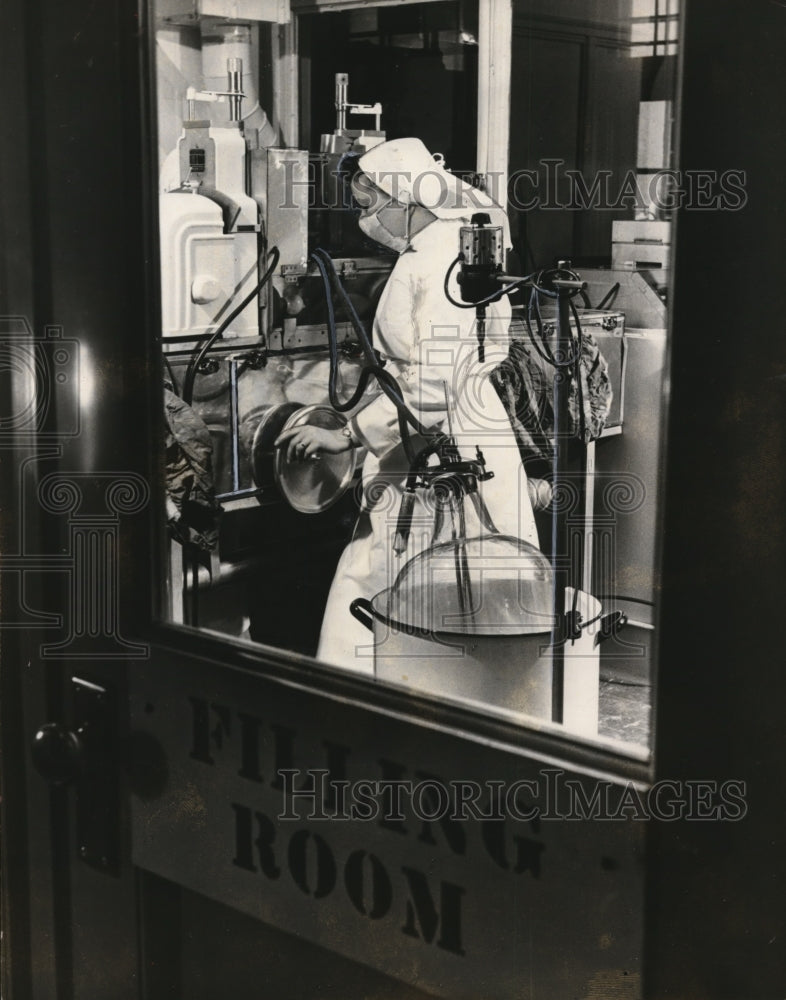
196,815
190,814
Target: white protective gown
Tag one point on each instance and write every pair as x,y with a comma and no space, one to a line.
426,342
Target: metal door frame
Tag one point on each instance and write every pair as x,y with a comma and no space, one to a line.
679,899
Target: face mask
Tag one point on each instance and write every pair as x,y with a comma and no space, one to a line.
388,227
384,220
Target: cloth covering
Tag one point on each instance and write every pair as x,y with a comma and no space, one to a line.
427,343
192,510
525,383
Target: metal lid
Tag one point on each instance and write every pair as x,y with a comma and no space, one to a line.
312,486
257,433
489,585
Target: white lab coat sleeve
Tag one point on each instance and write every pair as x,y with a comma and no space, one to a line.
414,306
376,425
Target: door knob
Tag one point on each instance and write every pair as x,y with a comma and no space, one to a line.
59,753
85,755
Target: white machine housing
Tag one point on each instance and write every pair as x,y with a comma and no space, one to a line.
209,234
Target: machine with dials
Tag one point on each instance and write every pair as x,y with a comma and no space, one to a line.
244,317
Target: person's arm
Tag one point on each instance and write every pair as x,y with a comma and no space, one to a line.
308,442
419,334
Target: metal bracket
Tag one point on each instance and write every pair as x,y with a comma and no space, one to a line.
97,791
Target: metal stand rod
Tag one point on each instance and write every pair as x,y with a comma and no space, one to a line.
235,88
234,423
480,329
559,532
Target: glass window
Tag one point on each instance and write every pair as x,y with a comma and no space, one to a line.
654,27
360,447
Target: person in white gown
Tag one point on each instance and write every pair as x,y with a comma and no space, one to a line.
410,203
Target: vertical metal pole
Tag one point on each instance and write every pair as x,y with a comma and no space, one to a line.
235,88
559,532
342,85
234,424
588,518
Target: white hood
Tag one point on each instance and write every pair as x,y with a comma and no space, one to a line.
406,171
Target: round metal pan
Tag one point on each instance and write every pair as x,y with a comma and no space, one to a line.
309,486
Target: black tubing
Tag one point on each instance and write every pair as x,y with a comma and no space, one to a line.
386,381
191,371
